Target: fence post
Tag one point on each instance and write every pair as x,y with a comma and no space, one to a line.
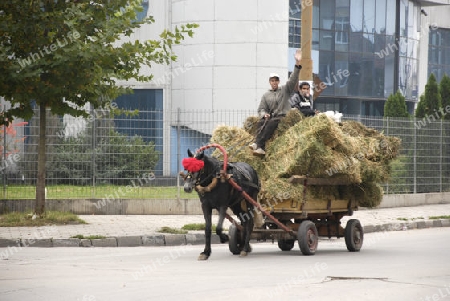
441,142
178,150
414,156
93,151
4,161
387,134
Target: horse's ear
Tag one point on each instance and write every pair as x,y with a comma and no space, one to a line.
200,155
190,154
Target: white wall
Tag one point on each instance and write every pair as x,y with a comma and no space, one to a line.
227,63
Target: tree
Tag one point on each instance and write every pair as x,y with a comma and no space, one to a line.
444,90
430,103
395,106
65,54
420,110
118,158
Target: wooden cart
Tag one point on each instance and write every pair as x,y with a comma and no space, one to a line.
305,220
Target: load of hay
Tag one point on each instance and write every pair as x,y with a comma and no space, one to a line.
316,147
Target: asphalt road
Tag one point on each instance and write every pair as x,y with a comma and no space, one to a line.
402,265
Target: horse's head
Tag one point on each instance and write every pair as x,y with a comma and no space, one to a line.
194,166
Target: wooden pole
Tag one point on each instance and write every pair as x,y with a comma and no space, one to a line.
306,74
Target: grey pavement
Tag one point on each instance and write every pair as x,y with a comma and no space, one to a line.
143,230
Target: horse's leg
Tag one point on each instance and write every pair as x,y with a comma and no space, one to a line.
207,213
219,229
248,228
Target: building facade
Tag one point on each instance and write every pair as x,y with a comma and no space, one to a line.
365,50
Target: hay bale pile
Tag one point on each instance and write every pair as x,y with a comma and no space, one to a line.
317,147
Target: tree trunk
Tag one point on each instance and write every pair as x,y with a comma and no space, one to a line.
40,184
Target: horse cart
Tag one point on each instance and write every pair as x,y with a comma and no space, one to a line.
304,220
289,220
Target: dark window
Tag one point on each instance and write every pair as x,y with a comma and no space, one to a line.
439,53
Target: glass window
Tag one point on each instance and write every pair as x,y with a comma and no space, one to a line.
356,15
327,14
380,21
295,8
315,39
342,25
141,15
356,41
389,61
316,14
326,68
294,33
361,79
390,17
407,76
369,16
354,79
341,74
411,23
378,74
413,48
403,17
368,42
341,41
326,40
439,52
379,44
343,8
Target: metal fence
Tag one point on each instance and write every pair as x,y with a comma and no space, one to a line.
139,156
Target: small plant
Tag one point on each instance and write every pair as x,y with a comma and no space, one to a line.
440,217
402,219
172,230
80,236
197,227
28,219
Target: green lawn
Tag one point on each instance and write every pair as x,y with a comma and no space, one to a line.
98,192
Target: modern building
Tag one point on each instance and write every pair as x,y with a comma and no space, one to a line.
365,50
382,45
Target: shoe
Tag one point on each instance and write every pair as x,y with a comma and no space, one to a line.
253,146
259,152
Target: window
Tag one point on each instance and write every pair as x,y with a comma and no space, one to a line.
294,33
141,15
439,53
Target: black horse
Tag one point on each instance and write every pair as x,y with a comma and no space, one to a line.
204,175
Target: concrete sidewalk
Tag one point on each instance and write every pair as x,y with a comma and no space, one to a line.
142,230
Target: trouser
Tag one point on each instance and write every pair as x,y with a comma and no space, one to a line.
266,129
307,112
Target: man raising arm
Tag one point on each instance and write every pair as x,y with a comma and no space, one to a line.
274,106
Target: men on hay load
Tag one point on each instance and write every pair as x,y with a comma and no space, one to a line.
274,105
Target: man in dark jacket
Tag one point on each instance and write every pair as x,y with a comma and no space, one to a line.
274,106
302,100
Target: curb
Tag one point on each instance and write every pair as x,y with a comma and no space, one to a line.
157,240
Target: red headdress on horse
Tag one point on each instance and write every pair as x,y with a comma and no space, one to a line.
192,164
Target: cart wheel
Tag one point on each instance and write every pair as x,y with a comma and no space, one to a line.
235,242
286,244
354,235
308,238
